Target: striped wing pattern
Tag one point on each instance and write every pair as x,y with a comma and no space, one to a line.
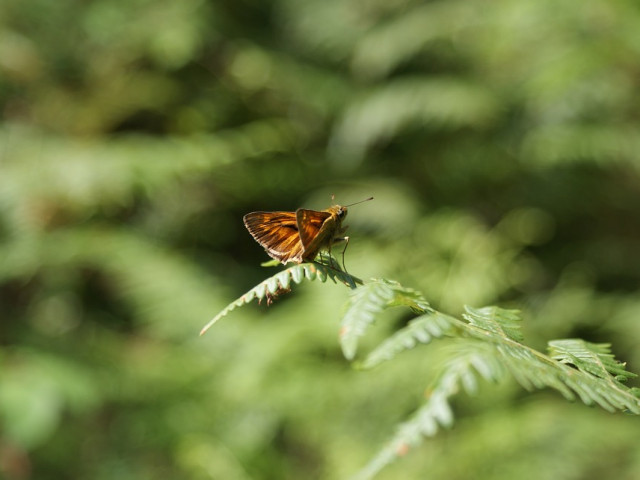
312,234
278,233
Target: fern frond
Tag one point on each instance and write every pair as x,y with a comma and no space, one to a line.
433,324
410,102
393,42
368,301
488,346
85,174
583,143
593,358
280,282
492,361
534,369
408,297
495,320
472,358
422,329
591,381
492,347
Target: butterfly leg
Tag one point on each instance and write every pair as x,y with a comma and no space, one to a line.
346,244
344,250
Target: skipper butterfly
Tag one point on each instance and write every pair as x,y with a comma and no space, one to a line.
298,236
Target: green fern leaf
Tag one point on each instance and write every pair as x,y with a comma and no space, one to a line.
368,301
593,358
441,102
582,143
407,297
472,358
365,303
491,349
534,369
422,329
496,320
392,42
280,282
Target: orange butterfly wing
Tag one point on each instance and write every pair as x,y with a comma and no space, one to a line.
310,224
278,233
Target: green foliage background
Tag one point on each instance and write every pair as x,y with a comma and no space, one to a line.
502,143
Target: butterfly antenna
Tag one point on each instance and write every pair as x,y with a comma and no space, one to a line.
361,201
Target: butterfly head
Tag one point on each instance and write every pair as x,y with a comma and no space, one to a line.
339,211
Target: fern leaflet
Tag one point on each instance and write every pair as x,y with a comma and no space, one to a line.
495,320
280,283
369,300
422,329
593,358
471,358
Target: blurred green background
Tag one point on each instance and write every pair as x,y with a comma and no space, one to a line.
501,141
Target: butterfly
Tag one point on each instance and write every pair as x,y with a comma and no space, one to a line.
298,236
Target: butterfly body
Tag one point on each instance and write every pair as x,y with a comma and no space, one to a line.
297,236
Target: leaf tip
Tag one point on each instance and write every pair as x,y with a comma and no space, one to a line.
209,325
